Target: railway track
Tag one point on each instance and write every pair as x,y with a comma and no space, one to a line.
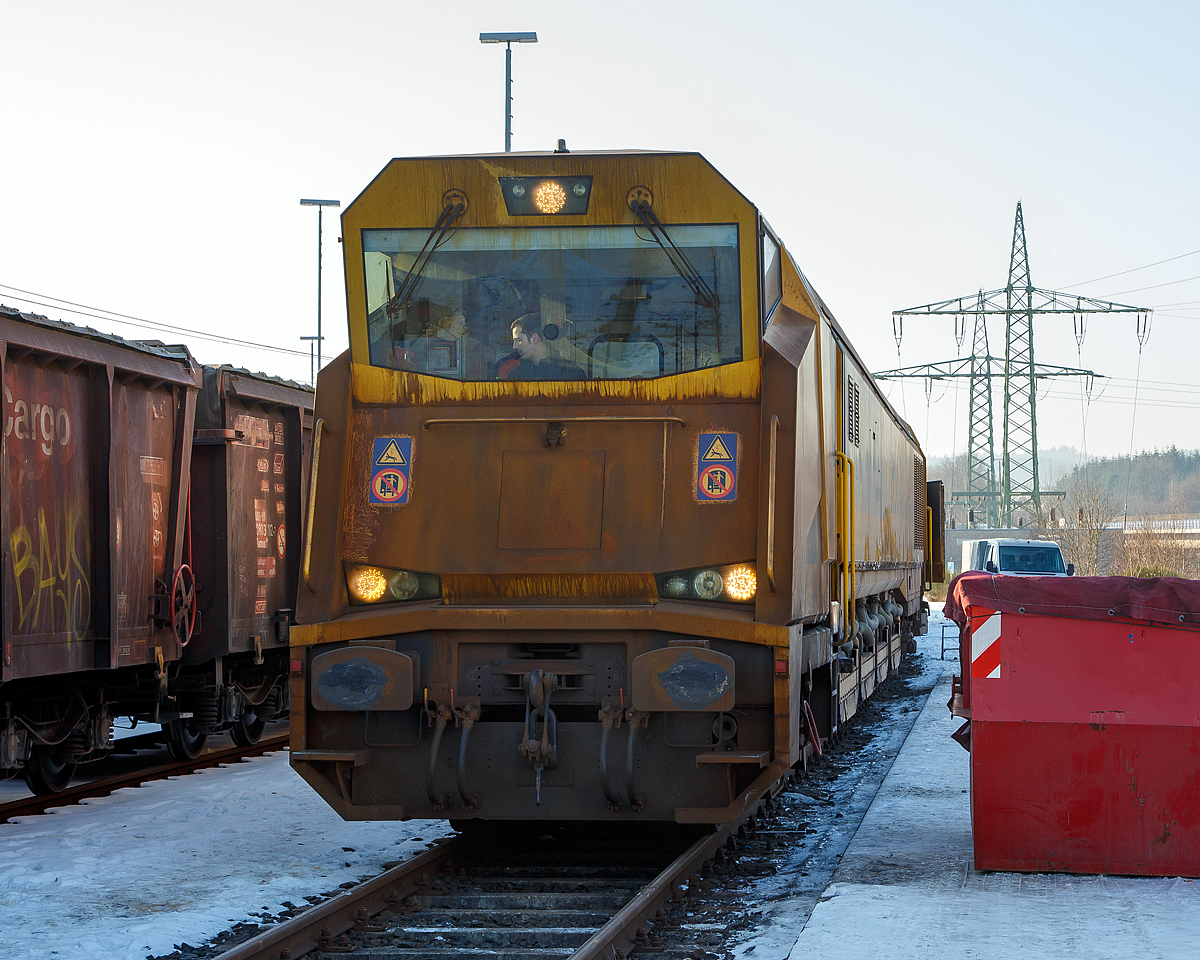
27,806
578,891
587,891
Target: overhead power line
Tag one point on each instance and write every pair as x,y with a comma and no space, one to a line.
1122,273
111,316
1155,286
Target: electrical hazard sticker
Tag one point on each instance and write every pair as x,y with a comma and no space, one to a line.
716,467
390,465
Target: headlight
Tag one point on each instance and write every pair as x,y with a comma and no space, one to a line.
368,584
708,585
736,583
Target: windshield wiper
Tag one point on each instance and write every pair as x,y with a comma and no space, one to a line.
408,286
683,266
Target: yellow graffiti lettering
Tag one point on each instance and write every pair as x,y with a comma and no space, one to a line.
24,561
51,579
45,566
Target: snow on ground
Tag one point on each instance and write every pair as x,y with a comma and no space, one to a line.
906,888
178,860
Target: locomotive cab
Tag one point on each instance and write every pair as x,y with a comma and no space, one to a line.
580,530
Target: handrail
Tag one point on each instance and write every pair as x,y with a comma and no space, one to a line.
928,565
771,504
853,534
318,427
846,511
553,419
843,532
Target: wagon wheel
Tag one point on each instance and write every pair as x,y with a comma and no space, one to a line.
49,769
248,728
183,605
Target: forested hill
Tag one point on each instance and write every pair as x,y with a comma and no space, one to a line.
1159,481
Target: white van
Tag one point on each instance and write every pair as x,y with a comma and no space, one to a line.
1019,558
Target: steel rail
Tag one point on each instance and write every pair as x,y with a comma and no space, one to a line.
326,921
29,806
633,924
320,926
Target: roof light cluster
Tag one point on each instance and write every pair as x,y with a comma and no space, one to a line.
546,196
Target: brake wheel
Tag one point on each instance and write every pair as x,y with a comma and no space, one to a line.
183,605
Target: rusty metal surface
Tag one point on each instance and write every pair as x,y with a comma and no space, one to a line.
34,332
682,678
247,506
607,497
466,588
93,441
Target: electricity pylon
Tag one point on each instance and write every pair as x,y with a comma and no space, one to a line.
982,369
1018,303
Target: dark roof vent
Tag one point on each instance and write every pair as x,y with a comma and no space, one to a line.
562,147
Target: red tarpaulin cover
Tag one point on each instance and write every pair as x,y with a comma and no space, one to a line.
1084,737
1166,600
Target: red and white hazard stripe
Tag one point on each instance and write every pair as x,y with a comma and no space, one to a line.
985,643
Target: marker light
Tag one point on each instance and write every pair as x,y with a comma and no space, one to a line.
676,587
518,190
369,584
740,583
550,197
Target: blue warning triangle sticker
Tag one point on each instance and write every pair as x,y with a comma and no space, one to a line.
717,451
391,456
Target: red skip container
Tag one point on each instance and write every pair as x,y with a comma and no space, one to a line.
1083,701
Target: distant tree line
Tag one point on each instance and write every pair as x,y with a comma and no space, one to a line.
1158,482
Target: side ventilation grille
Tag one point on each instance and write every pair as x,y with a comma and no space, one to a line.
852,413
919,501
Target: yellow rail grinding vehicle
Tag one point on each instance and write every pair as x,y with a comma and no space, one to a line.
608,519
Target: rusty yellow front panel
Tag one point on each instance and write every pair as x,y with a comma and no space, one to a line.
410,193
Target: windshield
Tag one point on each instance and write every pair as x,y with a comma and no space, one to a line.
1031,560
593,303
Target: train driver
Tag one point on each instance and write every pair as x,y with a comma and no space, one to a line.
536,362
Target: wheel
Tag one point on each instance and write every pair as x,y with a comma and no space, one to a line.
49,769
184,739
248,728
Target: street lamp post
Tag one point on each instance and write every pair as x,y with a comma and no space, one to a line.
320,205
508,39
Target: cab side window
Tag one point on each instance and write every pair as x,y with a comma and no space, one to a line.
772,266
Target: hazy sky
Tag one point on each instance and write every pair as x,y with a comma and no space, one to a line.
155,154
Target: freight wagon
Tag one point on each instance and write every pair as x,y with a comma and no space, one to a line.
123,595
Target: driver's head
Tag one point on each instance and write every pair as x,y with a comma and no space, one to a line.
527,339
